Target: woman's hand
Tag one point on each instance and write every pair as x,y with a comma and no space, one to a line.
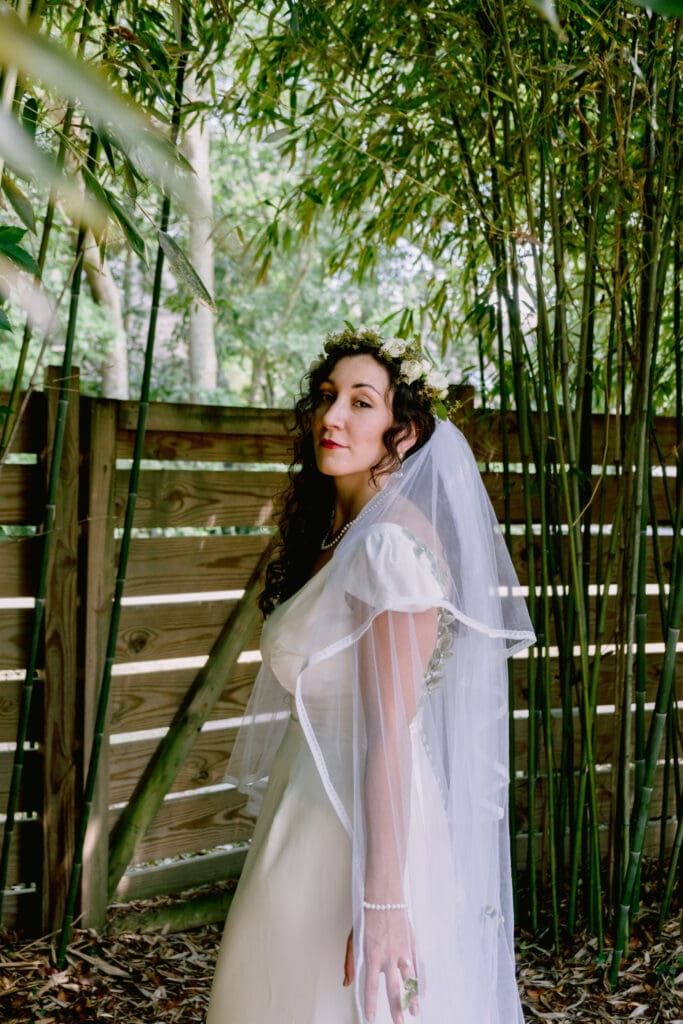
389,950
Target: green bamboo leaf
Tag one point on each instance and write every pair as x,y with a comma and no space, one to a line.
10,235
108,199
20,153
184,271
135,239
20,257
279,133
42,58
19,202
5,325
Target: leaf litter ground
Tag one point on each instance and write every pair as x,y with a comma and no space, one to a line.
134,978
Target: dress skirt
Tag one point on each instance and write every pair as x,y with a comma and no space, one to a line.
281,960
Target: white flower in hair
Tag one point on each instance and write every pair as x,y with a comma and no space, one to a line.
394,347
412,370
438,381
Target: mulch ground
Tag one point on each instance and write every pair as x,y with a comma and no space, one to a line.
134,978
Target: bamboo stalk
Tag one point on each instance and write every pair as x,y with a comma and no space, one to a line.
48,536
653,745
172,750
103,700
192,912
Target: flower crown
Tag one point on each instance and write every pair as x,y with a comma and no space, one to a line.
413,367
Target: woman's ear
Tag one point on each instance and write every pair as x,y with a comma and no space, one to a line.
406,440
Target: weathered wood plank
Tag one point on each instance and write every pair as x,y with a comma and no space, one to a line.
650,844
229,448
174,630
605,741
520,558
607,491
162,879
484,430
63,729
19,561
213,433
606,683
184,417
10,698
99,589
15,630
176,565
185,497
30,430
150,701
204,766
604,795
22,495
30,793
198,822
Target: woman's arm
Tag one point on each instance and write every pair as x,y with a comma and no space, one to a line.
393,657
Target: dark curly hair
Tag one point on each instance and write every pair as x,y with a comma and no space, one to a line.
308,503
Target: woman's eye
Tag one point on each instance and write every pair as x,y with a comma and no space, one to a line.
363,404
325,396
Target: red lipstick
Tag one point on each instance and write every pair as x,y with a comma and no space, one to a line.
328,443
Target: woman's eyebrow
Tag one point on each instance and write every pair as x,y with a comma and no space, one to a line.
371,386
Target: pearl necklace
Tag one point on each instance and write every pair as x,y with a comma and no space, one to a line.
326,543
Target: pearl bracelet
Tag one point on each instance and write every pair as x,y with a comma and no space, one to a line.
384,906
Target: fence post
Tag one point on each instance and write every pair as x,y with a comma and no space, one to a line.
98,589
61,705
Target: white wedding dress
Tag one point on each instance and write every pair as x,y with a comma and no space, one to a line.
281,960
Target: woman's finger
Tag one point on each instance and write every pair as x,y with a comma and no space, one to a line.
395,995
371,979
349,971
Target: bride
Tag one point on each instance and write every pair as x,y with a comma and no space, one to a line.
374,748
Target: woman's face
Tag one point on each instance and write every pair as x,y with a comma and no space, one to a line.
353,412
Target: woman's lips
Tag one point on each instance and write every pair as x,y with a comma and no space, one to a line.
327,443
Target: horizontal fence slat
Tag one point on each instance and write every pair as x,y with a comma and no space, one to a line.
30,793
29,435
607,492
193,823
24,855
650,844
150,701
163,879
605,741
185,497
608,668
204,765
520,558
176,565
604,795
150,632
19,558
187,418
484,429
22,495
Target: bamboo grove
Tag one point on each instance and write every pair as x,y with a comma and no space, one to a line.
541,171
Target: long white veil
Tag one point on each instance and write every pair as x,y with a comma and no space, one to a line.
403,698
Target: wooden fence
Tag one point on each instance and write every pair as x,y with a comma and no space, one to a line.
204,505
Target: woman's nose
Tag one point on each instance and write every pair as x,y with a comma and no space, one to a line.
333,414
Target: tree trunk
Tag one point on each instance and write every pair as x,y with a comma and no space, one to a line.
203,360
106,292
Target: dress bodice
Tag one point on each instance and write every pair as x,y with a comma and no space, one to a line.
286,633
